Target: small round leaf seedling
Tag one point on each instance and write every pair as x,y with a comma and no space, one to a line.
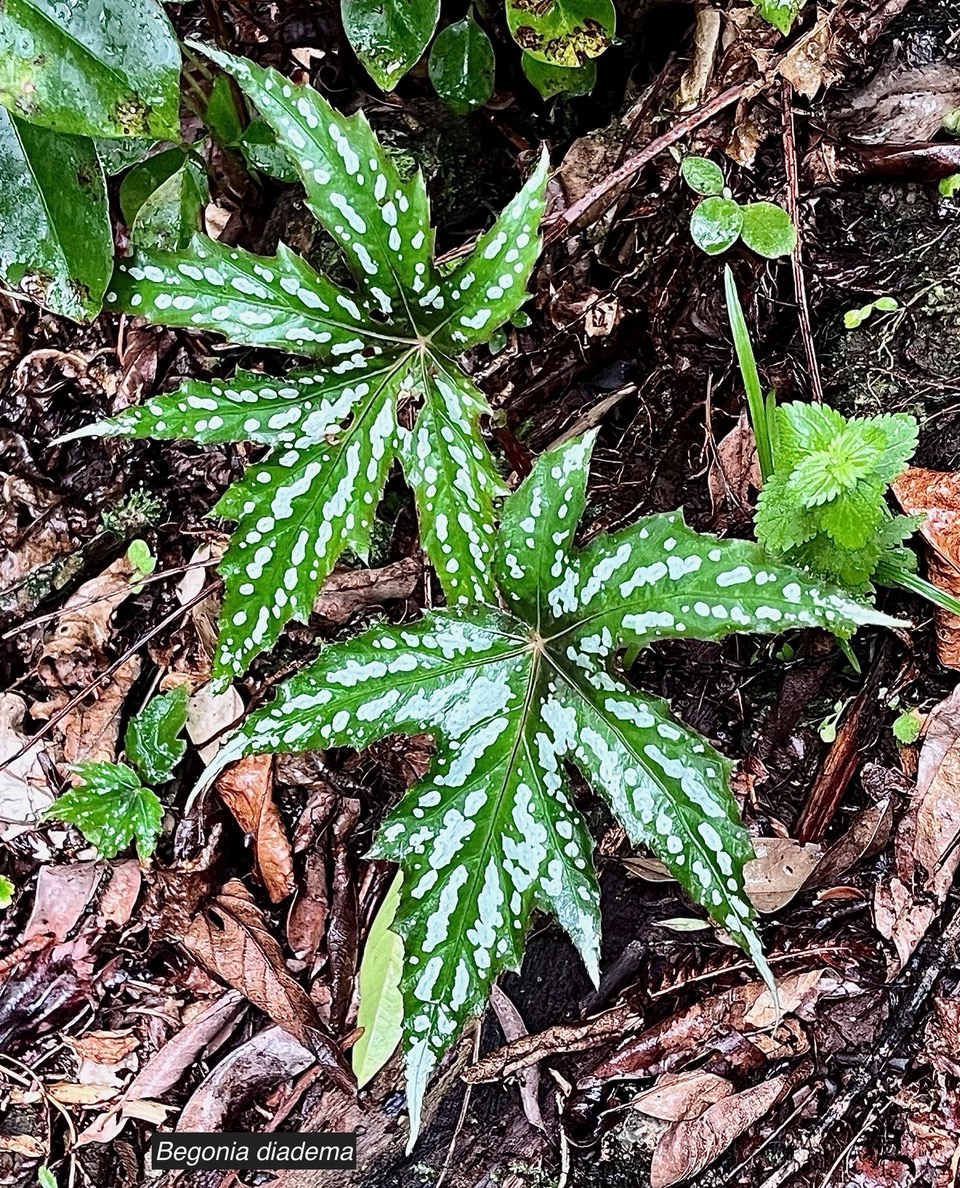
716,225
767,230
702,175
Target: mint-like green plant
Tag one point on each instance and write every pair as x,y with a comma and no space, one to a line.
386,385
718,221
510,695
110,804
825,481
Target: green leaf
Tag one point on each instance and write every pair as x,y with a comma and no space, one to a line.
551,80
715,224
55,239
886,304
117,155
780,13
94,68
702,175
462,66
824,508
152,742
762,418
385,387
144,178
562,32
111,808
381,1002
491,832
168,220
767,230
950,185
7,888
46,1178
907,727
389,36
222,116
259,146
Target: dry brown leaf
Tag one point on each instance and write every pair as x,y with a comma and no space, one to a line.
346,593
678,1096
867,835
231,939
734,471
246,788
101,1055
909,901
24,790
936,496
166,1067
781,867
85,1095
686,1148
805,64
210,716
74,655
245,1074
513,1026
60,898
23,1144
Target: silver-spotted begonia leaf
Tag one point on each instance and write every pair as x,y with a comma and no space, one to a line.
491,832
386,345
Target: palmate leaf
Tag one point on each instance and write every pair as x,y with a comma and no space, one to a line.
111,808
387,345
509,694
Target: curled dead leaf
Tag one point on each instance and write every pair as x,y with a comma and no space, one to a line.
230,938
936,496
246,788
678,1096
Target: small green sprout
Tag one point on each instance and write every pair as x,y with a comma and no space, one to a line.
907,726
719,220
856,317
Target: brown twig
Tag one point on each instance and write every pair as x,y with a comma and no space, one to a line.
596,201
796,260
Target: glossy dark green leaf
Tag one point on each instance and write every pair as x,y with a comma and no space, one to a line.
55,240
701,174
111,808
462,66
562,32
259,145
172,214
715,224
141,181
767,230
91,67
551,80
152,742
511,696
389,36
223,116
117,155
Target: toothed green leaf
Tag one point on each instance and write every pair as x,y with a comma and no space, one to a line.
780,13
389,343
491,831
111,808
152,741
824,506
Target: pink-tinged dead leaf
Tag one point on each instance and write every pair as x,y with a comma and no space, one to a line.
687,1147
166,1068
23,1144
246,1074
677,1097
210,717
941,1046
936,496
86,1096
246,788
231,939
61,896
909,901
24,788
868,835
513,1028
119,897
